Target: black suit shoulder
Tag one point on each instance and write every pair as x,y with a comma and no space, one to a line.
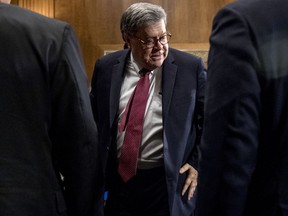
184,60
183,57
114,57
41,37
30,20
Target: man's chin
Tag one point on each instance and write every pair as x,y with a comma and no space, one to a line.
157,61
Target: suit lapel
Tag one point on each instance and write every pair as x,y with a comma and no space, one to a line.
116,83
168,82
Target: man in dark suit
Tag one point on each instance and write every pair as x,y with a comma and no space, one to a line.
166,174
46,121
244,164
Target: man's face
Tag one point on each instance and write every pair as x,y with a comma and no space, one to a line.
149,57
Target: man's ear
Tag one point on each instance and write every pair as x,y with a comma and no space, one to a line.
127,41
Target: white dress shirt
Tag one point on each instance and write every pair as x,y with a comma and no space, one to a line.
151,150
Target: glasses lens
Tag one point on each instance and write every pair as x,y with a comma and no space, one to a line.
149,43
164,39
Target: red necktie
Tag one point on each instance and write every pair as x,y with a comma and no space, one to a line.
133,119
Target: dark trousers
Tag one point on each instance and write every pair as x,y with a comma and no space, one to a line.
143,195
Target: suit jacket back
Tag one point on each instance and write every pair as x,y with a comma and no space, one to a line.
245,164
46,124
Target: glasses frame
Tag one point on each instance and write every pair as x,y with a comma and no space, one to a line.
155,40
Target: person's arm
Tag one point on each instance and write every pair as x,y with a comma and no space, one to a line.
73,130
192,165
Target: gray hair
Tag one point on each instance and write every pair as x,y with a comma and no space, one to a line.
140,15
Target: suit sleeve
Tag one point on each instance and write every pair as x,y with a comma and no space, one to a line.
230,136
199,114
73,130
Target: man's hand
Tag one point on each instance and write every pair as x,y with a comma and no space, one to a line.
191,180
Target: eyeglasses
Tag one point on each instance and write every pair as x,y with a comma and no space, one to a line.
152,42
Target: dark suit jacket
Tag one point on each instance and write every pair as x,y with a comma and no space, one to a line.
183,94
46,121
244,168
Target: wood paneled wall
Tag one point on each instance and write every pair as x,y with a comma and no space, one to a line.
97,22
45,7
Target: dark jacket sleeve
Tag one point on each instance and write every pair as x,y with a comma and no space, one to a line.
73,130
199,114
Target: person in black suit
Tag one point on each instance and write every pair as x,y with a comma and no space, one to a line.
166,175
48,138
244,165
